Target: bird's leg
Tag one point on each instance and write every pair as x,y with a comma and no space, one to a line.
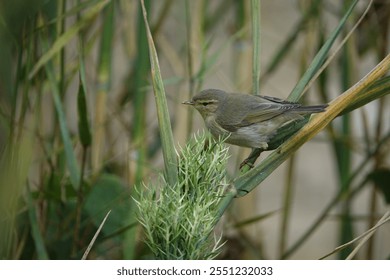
251,159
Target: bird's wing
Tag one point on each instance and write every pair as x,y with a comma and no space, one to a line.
270,108
256,109
276,100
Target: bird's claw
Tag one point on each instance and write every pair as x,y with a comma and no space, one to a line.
246,162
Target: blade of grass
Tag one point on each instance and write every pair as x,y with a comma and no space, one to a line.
85,255
168,147
368,234
258,218
342,145
35,231
319,59
83,124
136,91
342,43
195,39
71,161
104,82
287,201
363,237
255,10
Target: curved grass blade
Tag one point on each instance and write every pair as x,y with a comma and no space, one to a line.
168,147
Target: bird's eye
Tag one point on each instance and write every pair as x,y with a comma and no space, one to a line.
206,103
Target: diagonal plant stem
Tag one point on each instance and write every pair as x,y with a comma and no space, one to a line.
363,237
367,235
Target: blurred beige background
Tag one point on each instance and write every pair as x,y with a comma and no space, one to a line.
315,176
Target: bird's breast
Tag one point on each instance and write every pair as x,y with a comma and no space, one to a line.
214,127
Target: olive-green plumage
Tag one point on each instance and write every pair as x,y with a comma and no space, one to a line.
249,120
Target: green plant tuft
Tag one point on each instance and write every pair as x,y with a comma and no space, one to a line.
179,220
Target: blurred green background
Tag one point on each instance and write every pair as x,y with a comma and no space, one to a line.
78,125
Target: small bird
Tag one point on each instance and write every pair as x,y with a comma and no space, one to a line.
247,120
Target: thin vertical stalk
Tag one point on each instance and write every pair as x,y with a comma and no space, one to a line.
243,51
71,161
306,54
287,199
190,67
139,93
104,82
137,90
255,10
194,33
383,29
84,136
342,147
61,29
245,67
242,57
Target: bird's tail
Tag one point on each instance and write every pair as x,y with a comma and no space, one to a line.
311,109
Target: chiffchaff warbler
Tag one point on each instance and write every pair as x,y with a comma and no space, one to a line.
247,120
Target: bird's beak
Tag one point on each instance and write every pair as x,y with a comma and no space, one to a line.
188,102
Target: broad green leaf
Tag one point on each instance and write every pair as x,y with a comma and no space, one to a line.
109,193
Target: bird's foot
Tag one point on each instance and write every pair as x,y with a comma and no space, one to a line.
246,162
251,159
